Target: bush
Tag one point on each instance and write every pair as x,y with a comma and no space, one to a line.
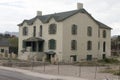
110,60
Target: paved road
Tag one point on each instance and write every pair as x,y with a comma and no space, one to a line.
10,75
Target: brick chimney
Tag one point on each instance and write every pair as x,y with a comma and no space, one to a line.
79,5
39,13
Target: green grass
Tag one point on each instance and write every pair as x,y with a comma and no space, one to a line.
109,61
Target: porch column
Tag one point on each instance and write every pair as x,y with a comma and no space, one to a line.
37,46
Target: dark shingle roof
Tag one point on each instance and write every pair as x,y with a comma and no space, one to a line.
34,39
4,42
62,16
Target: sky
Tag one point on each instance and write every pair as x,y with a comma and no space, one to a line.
13,12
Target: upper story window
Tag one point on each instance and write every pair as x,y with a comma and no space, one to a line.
34,31
52,44
74,29
98,45
73,45
25,30
98,32
52,29
41,30
104,33
104,46
89,45
89,31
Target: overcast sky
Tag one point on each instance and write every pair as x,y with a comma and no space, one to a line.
13,12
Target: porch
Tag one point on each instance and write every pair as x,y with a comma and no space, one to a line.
33,44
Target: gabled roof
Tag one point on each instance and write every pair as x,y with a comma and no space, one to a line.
4,42
62,16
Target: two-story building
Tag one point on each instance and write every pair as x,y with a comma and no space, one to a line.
66,36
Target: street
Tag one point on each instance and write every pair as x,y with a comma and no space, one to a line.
11,75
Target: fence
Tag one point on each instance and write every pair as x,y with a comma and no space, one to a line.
88,72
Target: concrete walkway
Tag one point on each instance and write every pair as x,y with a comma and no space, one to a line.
45,76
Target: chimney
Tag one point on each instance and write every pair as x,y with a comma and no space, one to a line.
79,5
39,13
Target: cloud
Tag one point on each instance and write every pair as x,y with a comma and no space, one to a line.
14,11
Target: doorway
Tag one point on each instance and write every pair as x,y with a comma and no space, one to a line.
104,56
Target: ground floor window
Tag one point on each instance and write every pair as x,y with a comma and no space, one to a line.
89,57
2,50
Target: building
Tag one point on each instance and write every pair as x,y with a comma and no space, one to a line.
67,36
6,49
4,46
115,45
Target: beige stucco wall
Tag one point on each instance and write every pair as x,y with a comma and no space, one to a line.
82,21
108,43
45,35
63,37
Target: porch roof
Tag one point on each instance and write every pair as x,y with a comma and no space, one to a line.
34,39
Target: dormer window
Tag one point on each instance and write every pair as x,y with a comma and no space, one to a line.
104,33
52,29
25,31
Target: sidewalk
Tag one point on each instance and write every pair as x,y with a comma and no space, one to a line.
45,76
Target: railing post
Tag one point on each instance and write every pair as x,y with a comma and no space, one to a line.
44,66
95,71
79,70
58,68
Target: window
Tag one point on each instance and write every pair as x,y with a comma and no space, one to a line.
98,45
74,29
73,45
89,45
2,50
104,33
41,30
52,44
52,29
89,57
98,33
104,46
89,31
34,31
23,44
25,31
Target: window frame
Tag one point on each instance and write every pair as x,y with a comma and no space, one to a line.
73,44
34,31
104,34
74,29
89,45
104,46
52,29
52,44
41,30
89,31
25,31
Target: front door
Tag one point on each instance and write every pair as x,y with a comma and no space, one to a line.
73,58
104,56
48,57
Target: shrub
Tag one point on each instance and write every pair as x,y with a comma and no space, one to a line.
110,60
